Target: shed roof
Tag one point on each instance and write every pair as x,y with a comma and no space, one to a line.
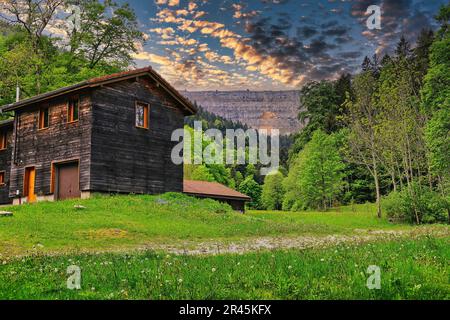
99,81
212,189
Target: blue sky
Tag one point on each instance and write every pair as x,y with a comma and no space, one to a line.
269,44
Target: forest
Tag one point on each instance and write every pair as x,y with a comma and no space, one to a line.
382,135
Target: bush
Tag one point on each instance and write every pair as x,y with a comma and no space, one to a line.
429,205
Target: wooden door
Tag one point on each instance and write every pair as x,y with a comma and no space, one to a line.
68,181
29,184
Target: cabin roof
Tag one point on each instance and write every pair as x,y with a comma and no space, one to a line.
212,189
99,81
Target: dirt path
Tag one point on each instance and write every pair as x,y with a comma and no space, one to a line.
303,242
247,245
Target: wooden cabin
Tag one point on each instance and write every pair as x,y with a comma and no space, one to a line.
216,191
106,135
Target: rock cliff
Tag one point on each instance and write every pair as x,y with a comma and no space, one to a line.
257,109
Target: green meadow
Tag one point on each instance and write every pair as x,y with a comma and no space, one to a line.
409,270
123,222
125,247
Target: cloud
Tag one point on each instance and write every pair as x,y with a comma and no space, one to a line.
170,3
399,17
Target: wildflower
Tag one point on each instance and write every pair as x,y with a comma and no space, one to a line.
322,260
213,269
180,280
93,289
290,267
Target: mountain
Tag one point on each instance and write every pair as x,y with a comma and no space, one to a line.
257,109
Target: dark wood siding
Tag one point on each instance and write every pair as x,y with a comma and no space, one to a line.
61,141
126,159
5,164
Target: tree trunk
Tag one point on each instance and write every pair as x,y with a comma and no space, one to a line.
377,186
394,183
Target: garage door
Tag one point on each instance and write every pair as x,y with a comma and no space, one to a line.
68,181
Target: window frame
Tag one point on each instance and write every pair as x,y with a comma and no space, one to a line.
3,140
2,178
41,120
146,119
70,109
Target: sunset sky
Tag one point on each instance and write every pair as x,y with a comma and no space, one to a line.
269,44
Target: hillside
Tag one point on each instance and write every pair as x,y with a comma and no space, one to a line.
257,109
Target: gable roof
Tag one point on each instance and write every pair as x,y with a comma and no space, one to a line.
212,189
96,82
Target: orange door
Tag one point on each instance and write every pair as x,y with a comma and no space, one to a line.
30,179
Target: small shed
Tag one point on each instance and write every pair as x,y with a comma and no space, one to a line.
216,191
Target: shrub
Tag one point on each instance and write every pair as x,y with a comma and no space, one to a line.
419,203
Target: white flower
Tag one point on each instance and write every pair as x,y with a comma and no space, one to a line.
213,269
290,267
180,280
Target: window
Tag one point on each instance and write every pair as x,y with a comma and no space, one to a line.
3,140
43,118
2,178
142,115
72,114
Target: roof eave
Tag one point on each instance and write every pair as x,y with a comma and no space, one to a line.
92,84
217,196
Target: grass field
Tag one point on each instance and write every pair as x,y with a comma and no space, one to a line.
409,270
130,221
122,246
